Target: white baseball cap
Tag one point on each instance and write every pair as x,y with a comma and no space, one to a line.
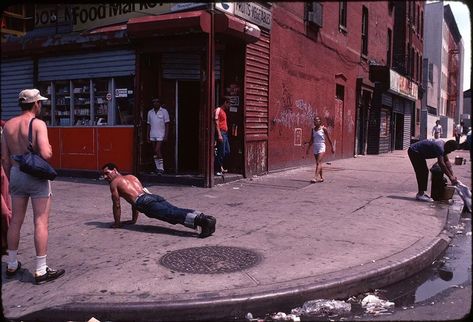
31,96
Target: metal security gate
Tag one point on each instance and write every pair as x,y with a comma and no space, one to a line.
15,75
185,66
82,66
256,102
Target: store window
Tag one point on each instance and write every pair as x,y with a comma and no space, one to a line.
88,102
364,31
124,98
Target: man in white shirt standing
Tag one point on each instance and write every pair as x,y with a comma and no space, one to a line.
158,129
437,130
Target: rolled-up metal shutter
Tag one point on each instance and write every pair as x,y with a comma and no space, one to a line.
256,102
91,65
185,66
15,76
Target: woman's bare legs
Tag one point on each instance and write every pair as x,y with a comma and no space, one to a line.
318,166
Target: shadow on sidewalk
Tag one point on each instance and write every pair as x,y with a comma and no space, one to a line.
146,229
401,198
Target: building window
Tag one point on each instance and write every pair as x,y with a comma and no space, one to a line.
431,73
389,49
421,59
418,20
342,15
364,32
421,25
408,59
340,92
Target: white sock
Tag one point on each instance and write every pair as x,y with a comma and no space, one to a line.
160,164
12,262
156,163
190,218
40,265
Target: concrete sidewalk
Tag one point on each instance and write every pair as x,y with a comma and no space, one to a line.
288,241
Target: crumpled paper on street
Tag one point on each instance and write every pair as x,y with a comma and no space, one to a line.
374,305
322,307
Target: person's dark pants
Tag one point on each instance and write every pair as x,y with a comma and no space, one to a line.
223,149
457,138
420,168
154,206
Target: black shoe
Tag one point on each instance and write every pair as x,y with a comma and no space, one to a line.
50,275
11,274
207,225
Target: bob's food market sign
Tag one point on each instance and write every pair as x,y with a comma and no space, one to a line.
88,16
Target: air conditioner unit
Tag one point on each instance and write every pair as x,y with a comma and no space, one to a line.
315,15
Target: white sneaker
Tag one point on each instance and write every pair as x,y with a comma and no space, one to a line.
424,197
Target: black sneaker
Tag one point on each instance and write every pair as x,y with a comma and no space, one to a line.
11,274
207,225
50,275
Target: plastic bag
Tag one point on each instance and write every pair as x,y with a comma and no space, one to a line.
465,193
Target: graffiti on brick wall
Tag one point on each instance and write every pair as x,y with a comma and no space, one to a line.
299,113
350,122
295,115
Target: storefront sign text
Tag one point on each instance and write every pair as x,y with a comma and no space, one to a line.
88,16
254,13
401,85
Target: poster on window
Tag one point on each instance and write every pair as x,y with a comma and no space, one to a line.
121,92
234,103
384,124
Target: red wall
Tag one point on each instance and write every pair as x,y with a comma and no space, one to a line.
305,68
88,148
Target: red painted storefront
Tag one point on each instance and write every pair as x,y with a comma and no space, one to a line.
89,148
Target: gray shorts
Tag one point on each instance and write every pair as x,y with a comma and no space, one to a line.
24,185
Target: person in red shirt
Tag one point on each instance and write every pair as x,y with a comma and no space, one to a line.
221,127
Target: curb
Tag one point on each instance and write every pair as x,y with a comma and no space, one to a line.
234,304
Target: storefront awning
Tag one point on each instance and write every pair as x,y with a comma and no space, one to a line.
169,23
197,21
233,26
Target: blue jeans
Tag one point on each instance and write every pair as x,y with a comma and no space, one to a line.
223,149
154,206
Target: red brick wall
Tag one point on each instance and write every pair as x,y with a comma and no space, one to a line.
305,68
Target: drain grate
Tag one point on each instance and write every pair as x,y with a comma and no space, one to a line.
210,260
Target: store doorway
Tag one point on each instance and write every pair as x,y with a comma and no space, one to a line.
182,100
147,90
363,112
187,126
398,129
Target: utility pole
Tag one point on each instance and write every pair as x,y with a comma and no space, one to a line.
209,126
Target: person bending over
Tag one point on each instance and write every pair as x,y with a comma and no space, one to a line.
430,149
130,188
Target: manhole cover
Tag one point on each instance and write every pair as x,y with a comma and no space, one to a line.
210,260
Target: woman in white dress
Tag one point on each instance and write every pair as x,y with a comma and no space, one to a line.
318,135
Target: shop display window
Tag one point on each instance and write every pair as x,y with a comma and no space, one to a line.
81,107
62,110
124,100
101,101
88,102
46,106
